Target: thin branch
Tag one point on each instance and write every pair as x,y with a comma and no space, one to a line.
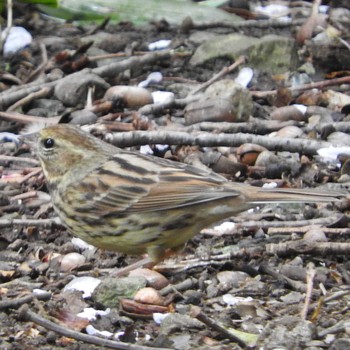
157,108
9,14
317,85
120,66
44,92
240,60
340,327
296,285
30,161
134,138
27,315
278,224
47,223
306,247
17,302
197,313
42,66
253,126
12,95
310,275
31,174
303,229
27,119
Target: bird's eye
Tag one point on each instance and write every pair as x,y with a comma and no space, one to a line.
49,143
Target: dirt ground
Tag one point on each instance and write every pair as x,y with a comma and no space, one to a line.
279,274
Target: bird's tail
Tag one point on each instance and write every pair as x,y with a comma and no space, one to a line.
291,195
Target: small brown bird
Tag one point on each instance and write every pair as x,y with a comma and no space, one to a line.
132,203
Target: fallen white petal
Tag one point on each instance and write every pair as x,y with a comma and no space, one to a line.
270,185
17,39
159,45
154,77
226,226
90,313
162,96
229,299
84,284
79,243
118,335
273,10
93,331
323,9
159,317
146,149
300,108
161,147
244,76
9,137
331,154
37,291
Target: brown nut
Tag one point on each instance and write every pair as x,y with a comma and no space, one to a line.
154,278
149,295
289,132
288,113
132,96
249,152
216,109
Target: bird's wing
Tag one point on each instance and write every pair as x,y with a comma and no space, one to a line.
178,188
140,184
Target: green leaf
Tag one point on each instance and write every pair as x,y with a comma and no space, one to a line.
139,11
41,2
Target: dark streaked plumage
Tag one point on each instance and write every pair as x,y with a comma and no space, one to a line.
128,202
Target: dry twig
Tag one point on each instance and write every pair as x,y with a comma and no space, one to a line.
25,314
197,313
240,60
306,247
310,275
134,138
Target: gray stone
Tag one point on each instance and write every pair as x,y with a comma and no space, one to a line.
176,322
288,332
271,53
110,291
72,90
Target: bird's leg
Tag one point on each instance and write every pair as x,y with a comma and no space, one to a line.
156,254
143,263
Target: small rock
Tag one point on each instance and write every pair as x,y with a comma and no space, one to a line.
231,279
292,298
52,107
72,90
176,322
341,344
72,261
224,100
193,297
111,290
339,138
270,53
289,132
154,278
287,332
83,117
315,235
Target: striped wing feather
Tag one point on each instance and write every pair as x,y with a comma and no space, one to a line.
170,194
126,188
